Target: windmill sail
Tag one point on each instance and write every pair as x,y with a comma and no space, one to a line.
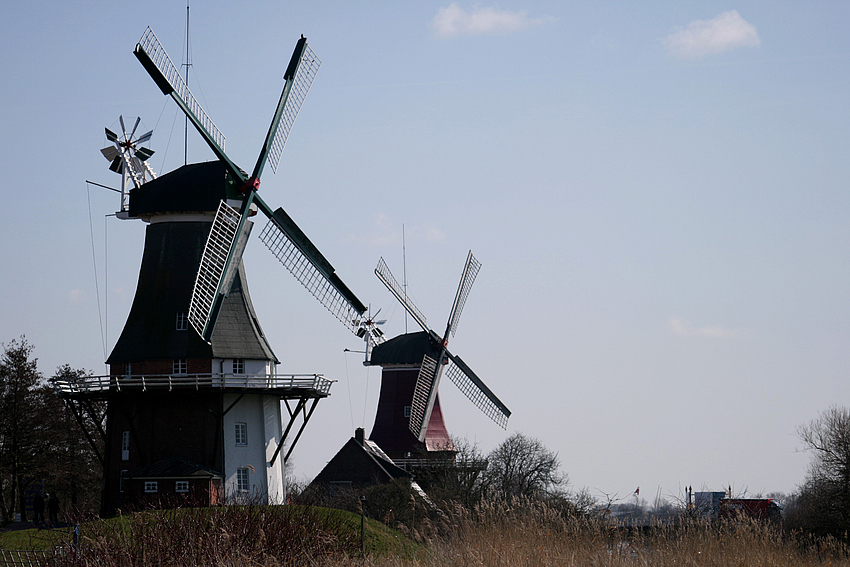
211,272
299,77
470,270
304,261
384,274
478,393
422,404
153,57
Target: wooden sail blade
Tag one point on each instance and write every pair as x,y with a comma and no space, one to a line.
153,57
478,393
384,274
470,271
424,396
222,252
300,256
299,76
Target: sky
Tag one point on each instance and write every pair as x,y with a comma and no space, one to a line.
656,192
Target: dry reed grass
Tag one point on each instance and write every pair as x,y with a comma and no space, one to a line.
533,534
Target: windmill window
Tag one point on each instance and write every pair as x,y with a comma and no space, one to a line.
241,434
121,480
406,411
128,369
242,479
182,321
151,486
239,366
181,486
179,366
125,446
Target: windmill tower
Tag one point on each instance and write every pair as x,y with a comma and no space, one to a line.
193,395
409,423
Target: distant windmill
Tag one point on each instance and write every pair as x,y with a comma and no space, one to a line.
412,367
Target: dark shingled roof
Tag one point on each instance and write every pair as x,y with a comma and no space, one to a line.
404,349
174,467
359,465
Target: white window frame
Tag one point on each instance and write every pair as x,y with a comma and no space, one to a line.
238,366
242,480
151,486
180,367
241,434
407,411
181,486
182,322
125,446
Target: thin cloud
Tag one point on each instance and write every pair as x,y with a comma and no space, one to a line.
454,21
75,296
682,327
708,37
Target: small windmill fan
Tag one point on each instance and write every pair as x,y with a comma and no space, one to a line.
128,158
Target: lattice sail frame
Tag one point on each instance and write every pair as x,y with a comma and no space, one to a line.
300,87
157,54
384,274
300,266
475,390
470,271
421,395
213,263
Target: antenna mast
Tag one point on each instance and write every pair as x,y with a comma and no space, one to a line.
186,118
404,270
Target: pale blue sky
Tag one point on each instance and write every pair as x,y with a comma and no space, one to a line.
656,191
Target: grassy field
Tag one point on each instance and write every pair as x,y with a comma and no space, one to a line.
495,535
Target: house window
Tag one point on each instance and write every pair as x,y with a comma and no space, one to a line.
239,366
128,369
242,479
125,446
242,434
182,322
406,411
151,486
181,486
121,480
179,366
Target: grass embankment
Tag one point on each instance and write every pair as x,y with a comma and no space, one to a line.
33,539
230,535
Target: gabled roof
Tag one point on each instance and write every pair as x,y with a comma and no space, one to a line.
360,465
174,467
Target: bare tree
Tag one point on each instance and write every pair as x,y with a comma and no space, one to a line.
823,505
523,466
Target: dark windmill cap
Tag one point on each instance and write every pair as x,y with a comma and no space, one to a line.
404,349
193,188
